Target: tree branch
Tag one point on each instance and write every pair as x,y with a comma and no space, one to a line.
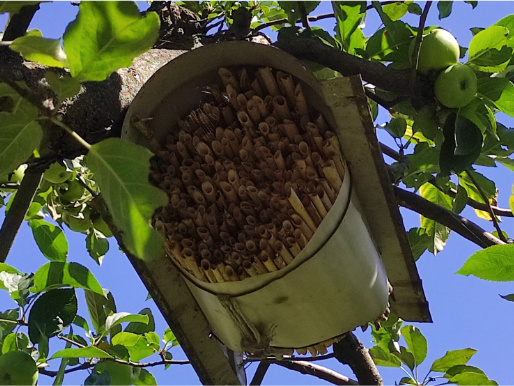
317,371
19,208
376,73
350,351
459,224
260,373
20,22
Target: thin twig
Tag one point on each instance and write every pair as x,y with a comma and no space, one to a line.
317,371
489,209
457,223
260,373
66,339
419,37
303,15
75,136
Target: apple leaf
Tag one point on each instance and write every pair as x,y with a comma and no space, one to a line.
419,241
444,8
499,91
438,233
50,239
488,50
35,48
416,343
136,345
509,297
468,137
145,378
452,358
64,86
20,134
121,170
508,22
383,358
81,352
107,35
55,274
121,317
493,263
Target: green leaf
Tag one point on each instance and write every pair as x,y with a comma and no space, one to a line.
51,313
445,8
407,358
495,263
416,343
53,275
397,127
349,17
488,50
452,358
81,322
292,11
383,358
107,35
508,22
467,375
419,241
141,328
481,115
499,91
50,239
169,337
121,170
136,345
99,307
15,341
461,146
64,86
438,233
509,297
415,9
461,200
487,186
473,3
97,245
35,48
8,270
15,6
120,317
18,286
145,378
20,135
82,352
396,10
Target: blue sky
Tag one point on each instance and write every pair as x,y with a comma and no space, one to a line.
467,312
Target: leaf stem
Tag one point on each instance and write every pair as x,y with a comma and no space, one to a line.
77,137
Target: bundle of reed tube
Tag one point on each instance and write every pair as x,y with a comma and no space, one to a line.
250,175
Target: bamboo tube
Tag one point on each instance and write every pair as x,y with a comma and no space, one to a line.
290,129
268,79
233,140
330,171
261,107
280,105
253,111
298,222
279,247
229,191
330,192
198,197
265,258
233,179
250,268
228,78
299,208
232,275
256,87
300,101
300,238
228,115
264,246
287,87
311,209
217,148
293,246
279,160
263,128
278,260
192,265
245,120
319,205
241,101
305,153
217,274
206,266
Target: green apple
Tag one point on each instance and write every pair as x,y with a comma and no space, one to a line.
456,86
72,192
57,173
17,368
438,50
120,373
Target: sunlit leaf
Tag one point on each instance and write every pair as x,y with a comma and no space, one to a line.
64,86
141,328
453,358
349,17
382,358
438,233
121,317
467,375
416,343
419,241
35,48
50,239
396,10
508,22
97,245
495,263
15,6
121,170
8,270
15,341
107,35
99,308
145,378
136,345
81,352
55,274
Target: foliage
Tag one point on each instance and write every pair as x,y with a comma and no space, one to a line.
439,152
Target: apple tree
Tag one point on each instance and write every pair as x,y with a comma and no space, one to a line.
64,165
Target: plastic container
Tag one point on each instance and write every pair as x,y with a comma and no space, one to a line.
335,284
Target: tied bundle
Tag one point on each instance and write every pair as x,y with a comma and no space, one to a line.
250,175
